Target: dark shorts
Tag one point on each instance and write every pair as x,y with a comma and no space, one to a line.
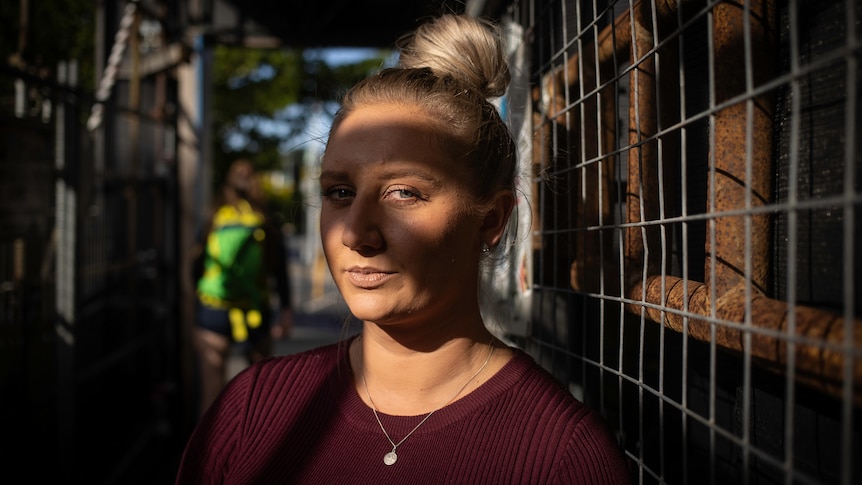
218,321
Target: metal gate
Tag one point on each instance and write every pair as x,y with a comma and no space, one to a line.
88,272
696,181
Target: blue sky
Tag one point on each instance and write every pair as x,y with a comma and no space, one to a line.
347,55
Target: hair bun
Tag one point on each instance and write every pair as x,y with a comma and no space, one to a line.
467,48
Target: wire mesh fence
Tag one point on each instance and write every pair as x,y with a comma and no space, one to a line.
695,193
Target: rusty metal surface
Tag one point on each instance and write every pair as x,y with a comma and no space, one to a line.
742,147
642,194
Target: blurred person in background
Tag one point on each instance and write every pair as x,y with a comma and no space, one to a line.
241,260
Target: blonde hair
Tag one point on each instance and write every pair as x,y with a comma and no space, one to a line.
449,68
466,48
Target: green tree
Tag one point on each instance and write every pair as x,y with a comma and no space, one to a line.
262,99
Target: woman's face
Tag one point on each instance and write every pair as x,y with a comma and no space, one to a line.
398,231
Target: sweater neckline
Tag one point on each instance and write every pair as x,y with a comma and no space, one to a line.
354,410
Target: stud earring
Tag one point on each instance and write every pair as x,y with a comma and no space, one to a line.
485,248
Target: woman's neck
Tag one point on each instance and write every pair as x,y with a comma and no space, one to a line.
405,381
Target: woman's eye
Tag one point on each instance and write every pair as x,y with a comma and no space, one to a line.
403,193
337,193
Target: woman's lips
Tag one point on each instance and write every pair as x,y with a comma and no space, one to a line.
367,278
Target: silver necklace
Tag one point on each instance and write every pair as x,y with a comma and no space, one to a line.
391,457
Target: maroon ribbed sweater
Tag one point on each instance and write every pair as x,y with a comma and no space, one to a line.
298,419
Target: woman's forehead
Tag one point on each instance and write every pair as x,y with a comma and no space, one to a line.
385,133
380,119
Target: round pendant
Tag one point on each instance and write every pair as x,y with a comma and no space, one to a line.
390,458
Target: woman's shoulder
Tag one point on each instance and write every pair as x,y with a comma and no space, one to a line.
528,381
580,433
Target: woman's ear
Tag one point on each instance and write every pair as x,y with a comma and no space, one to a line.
495,220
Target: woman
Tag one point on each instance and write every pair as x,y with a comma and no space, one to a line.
417,188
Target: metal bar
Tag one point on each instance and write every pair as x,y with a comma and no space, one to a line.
819,339
612,42
642,193
731,186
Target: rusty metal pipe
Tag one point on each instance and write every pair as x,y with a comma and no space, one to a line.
731,187
819,334
643,188
613,42
817,338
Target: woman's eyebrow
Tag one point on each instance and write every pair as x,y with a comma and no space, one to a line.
412,172
389,173
334,175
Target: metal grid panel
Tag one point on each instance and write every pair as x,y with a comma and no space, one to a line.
88,273
696,196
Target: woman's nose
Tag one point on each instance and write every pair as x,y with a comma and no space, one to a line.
362,227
